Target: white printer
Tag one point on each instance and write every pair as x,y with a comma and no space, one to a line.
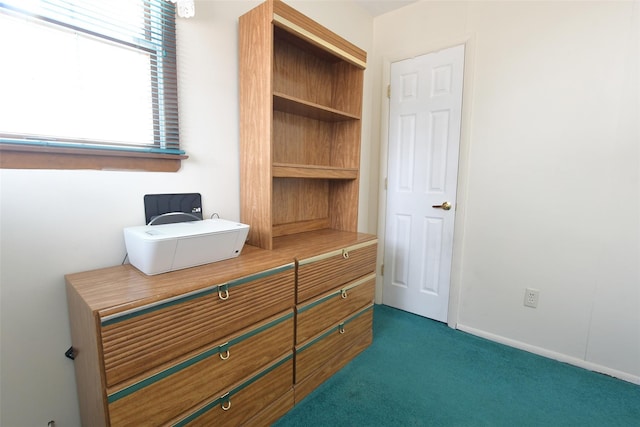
155,249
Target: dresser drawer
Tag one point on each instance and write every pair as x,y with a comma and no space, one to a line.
149,336
325,272
273,412
178,387
305,386
241,402
317,315
318,351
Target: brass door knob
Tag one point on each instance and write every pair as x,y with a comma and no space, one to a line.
446,206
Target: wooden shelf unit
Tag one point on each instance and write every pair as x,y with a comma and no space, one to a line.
300,125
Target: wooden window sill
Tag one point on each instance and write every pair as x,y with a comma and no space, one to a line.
29,157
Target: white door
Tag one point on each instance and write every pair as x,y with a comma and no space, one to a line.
424,138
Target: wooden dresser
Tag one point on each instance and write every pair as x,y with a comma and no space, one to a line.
217,344
201,346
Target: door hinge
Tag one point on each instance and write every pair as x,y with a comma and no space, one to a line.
388,91
386,183
382,270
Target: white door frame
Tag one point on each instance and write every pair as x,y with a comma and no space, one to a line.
463,165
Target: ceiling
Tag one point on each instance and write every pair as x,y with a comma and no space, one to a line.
378,7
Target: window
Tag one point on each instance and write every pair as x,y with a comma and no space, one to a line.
88,79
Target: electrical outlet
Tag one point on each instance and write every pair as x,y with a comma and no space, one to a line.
531,297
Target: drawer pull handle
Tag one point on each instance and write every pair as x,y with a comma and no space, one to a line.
343,293
341,328
223,351
345,254
226,402
223,288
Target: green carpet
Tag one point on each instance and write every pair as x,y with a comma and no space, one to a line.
419,372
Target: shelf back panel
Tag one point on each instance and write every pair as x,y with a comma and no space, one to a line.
296,200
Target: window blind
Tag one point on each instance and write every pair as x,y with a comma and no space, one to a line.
89,73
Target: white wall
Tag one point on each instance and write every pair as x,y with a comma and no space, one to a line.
550,185
58,222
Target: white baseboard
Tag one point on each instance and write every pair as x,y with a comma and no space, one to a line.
551,354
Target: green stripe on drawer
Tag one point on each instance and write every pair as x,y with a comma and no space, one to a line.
260,329
319,301
261,275
149,308
337,252
110,320
227,396
187,363
335,328
336,293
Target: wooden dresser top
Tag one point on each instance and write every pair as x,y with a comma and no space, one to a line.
125,285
